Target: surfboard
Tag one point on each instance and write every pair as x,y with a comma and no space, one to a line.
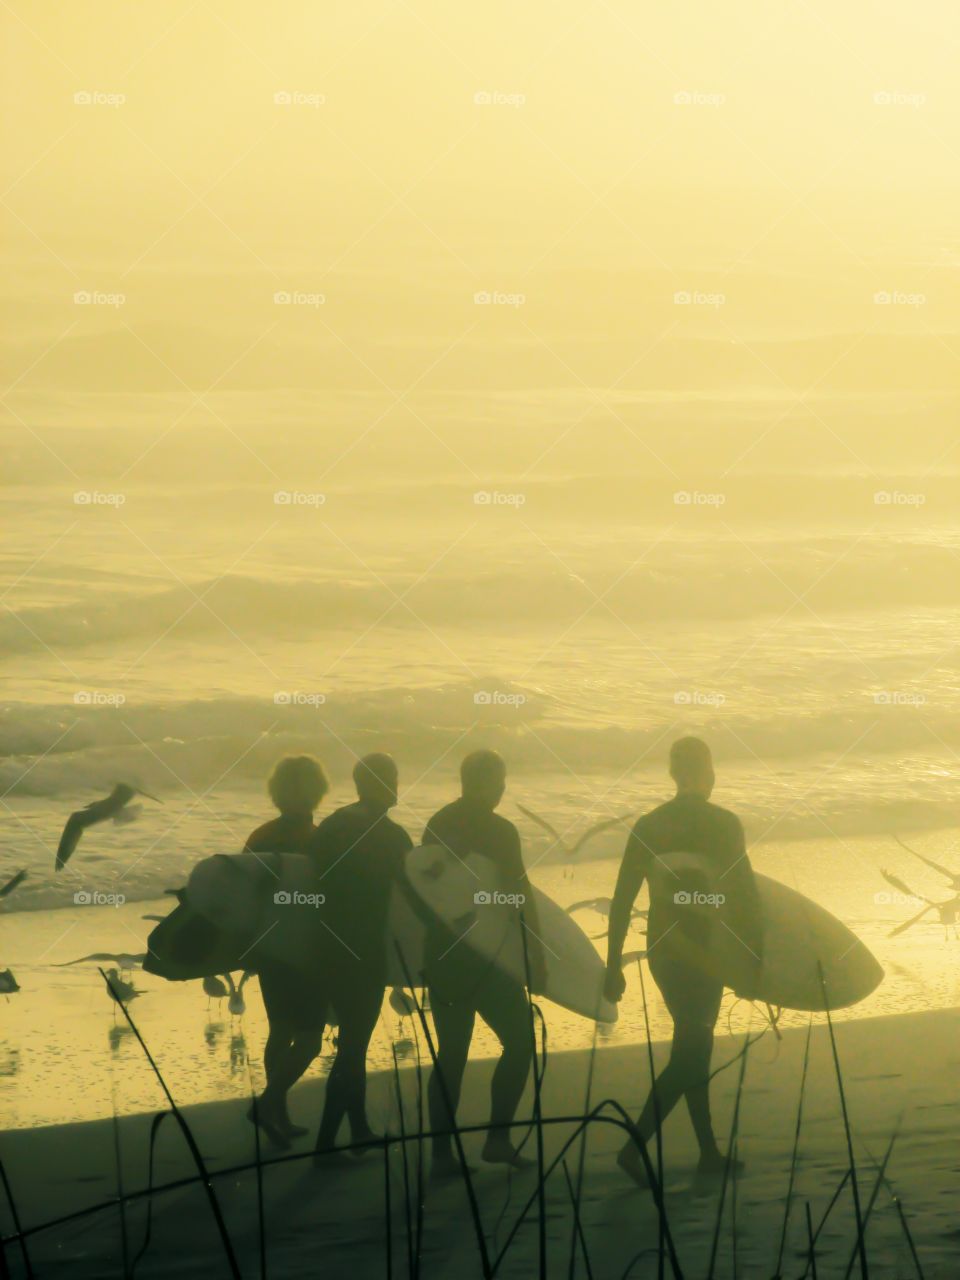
464,895
240,909
801,941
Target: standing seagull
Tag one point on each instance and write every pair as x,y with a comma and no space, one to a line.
120,992
89,815
214,989
237,1004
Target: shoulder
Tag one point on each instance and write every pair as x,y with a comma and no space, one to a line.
724,818
258,841
503,827
401,836
444,817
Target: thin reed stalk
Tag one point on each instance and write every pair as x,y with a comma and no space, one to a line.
581,1160
734,1125
188,1138
403,1156
878,1183
577,1225
537,1114
906,1231
793,1155
15,1217
661,1255
812,1247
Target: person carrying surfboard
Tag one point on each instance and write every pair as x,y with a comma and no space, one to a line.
678,936
462,983
295,1001
358,853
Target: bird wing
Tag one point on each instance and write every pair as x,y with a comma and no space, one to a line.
913,920
597,828
902,886
104,955
73,829
541,822
587,903
13,883
937,866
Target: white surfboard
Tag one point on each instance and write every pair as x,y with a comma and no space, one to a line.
800,940
464,896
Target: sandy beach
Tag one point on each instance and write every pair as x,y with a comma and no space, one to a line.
899,1075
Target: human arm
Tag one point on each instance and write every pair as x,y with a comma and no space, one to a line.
630,879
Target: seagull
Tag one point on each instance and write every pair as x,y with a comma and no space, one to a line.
124,960
120,992
214,989
402,1004
948,911
13,883
952,876
8,983
99,811
602,907
571,851
236,1004
155,919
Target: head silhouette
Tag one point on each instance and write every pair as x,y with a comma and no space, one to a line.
297,784
691,767
375,777
483,778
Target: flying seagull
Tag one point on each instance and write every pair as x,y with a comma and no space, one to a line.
98,811
602,907
948,911
952,876
123,959
571,851
13,883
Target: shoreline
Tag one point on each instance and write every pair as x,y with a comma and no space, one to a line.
59,1169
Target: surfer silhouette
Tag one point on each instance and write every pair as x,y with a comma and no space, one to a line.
295,1001
678,934
462,984
358,852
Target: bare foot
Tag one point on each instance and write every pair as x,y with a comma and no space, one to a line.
714,1165
501,1151
631,1162
269,1124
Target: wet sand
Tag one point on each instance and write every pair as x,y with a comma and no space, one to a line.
898,1071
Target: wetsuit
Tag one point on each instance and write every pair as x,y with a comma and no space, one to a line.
291,997
692,993
462,983
358,855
